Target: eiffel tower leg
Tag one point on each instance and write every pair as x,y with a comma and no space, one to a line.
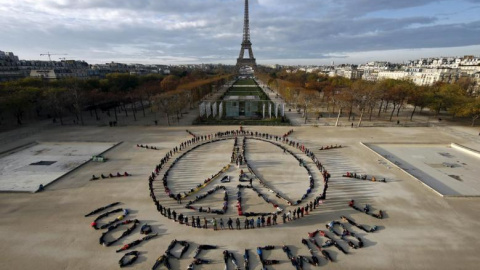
242,53
250,52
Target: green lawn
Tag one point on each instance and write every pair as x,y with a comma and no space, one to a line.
252,122
246,82
251,92
246,91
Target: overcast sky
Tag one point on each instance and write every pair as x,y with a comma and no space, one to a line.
210,31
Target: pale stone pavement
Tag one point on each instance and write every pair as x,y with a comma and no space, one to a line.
421,230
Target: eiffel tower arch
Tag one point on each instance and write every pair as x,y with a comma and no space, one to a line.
243,61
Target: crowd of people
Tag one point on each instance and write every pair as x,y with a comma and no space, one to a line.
263,196
288,133
263,261
344,234
230,257
191,133
112,226
128,258
136,242
164,258
147,147
298,261
366,210
111,175
363,177
208,209
98,210
95,224
361,227
329,147
201,140
167,157
261,220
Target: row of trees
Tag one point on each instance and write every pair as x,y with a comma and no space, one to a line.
188,95
338,94
40,99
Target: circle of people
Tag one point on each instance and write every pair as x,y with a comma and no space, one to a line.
265,219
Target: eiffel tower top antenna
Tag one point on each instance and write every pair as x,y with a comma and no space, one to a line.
246,24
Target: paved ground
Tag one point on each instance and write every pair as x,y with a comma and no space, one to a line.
421,230
447,170
24,170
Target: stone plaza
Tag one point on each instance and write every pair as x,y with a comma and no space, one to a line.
419,230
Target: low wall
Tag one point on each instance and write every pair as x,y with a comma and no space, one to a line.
465,149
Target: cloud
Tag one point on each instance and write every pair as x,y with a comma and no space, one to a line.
211,30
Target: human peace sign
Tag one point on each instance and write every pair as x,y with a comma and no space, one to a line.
244,162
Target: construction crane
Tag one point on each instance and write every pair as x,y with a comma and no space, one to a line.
50,54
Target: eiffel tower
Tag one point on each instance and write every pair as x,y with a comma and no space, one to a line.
246,44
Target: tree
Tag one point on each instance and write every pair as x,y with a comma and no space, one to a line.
18,101
170,83
56,100
446,97
121,82
93,98
382,88
75,97
307,98
397,94
364,97
467,84
419,97
165,103
471,108
468,107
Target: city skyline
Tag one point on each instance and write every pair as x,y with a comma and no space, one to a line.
283,32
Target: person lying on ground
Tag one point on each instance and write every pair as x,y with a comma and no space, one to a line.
202,247
145,229
225,179
246,258
362,227
315,260
328,243
136,242
270,262
306,259
123,262
287,250
234,260
171,246
160,261
119,218
339,247
313,234
326,255
185,245
197,262
102,208
124,234
379,215
94,223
